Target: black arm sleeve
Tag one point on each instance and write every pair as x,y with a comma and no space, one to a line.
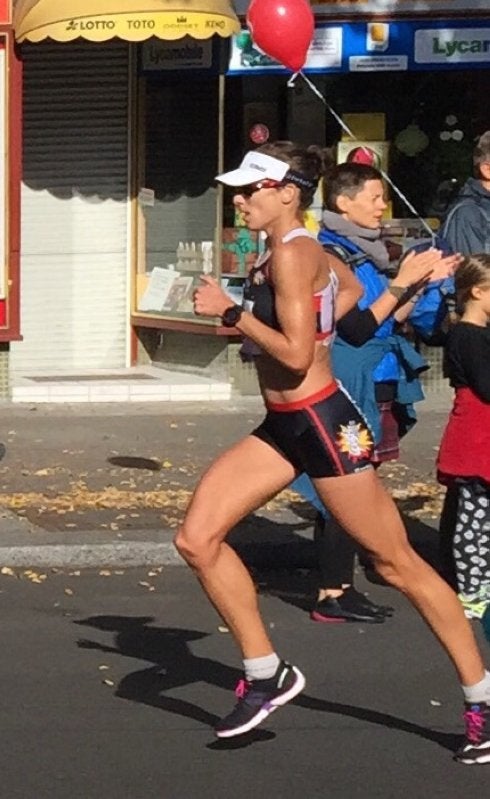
357,326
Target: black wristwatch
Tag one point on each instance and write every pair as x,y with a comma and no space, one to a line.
232,316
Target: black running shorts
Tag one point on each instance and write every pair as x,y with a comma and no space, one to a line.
323,435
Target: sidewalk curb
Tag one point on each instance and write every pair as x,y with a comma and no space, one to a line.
128,554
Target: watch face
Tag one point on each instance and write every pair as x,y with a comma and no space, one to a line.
232,315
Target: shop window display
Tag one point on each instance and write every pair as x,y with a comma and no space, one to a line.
177,199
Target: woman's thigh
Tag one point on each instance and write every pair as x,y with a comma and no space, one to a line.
366,511
238,482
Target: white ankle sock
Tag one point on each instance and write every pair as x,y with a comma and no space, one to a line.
479,692
261,668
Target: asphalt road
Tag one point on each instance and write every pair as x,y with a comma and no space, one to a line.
111,683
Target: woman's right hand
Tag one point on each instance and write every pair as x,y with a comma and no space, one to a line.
422,267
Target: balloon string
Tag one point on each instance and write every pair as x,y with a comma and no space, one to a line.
346,129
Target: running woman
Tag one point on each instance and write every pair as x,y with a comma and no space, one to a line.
310,426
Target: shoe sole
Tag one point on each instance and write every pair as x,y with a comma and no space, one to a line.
344,620
267,709
481,761
472,616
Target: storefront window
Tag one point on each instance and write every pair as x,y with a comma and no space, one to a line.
178,197
424,143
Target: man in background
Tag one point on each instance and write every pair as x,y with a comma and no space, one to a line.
466,228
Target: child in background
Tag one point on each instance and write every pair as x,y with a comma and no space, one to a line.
464,456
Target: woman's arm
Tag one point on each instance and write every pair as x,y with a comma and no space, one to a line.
293,345
416,269
350,289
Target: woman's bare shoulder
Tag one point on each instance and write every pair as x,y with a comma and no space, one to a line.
300,250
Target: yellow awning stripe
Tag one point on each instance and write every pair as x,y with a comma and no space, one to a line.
131,20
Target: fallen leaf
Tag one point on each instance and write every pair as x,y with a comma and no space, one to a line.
110,683
8,571
223,629
68,592
103,667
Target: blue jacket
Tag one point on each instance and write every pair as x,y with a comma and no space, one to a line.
374,283
354,367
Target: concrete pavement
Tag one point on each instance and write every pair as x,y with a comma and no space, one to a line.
108,485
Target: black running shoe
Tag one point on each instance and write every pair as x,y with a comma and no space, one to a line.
476,746
363,600
259,698
347,607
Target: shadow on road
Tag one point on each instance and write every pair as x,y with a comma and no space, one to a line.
176,666
135,462
284,562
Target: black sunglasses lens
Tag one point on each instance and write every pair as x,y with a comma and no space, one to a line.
246,191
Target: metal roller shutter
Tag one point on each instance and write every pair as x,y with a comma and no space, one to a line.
74,262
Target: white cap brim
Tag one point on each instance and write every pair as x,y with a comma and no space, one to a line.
240,177
255,166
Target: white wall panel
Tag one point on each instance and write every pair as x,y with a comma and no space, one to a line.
74,260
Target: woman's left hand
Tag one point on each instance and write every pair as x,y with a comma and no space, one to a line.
210,299
427,266
445,267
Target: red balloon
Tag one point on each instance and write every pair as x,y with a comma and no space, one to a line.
283,29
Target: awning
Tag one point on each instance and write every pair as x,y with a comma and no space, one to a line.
132,20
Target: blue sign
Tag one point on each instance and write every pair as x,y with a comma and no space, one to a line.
379,47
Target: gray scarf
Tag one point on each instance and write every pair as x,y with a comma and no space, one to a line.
367,239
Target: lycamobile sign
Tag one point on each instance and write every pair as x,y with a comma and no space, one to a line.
452,46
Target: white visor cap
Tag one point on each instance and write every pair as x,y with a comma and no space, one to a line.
254,167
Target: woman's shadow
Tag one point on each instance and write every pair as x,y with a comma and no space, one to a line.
175,665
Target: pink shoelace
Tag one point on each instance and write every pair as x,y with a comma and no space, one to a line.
475,723
241,688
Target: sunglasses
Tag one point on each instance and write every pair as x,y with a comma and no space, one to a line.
251,188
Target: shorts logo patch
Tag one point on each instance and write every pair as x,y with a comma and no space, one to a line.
355,441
